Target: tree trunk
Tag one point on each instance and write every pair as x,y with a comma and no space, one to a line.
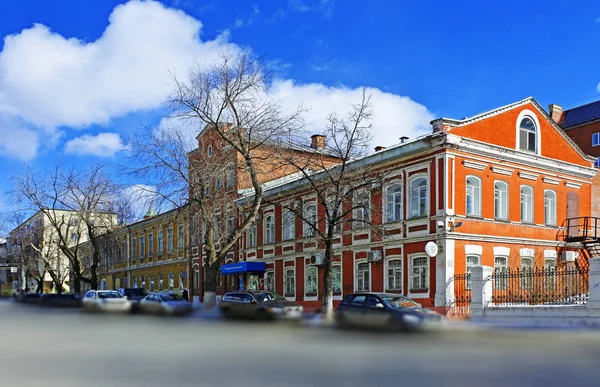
328,282
40,285
210,284
76,284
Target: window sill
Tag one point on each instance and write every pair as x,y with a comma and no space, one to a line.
314,294
419,290
289,295
502,220
420,217
477,217
395,291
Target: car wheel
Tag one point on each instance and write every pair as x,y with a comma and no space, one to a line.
226,312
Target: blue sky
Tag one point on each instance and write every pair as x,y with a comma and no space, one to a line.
75,76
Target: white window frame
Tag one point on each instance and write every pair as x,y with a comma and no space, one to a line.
473,192
417,194
314,280
501,200
171,280
286,284
170,239
362,209
288,223
151,243
336,265
142,245
471,260
181,236
550,206
308,213
522,131
359,276
133,247
501,268
161,241
270,283
413,275
251,236
526,194
269,229
394,271
393,204
527,263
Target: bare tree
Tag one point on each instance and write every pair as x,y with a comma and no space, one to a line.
78,205
230,98
341,181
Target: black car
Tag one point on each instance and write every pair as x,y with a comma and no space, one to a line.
262,305
63,300
135,295
383,310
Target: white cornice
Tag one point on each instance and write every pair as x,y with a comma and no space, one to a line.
512,155
571,184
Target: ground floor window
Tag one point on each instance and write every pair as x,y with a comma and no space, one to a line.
161,283
527,272
290,283
252,281
182,280
394,275
363,277
472,260
143,282
420,274
270,281
171,281
550,273
501,273
311,282
231,281
336,279
151,282
197,282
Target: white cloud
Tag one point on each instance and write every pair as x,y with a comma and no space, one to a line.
55,81
142,198
394,116
18,141
102,145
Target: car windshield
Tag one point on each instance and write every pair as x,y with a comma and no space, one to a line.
400,302
109,295
268,297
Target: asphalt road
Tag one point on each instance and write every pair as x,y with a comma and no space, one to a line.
51,348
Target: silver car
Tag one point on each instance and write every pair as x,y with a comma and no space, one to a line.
171,304
105,301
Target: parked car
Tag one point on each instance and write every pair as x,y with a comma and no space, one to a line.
135,295
166,303
106,301
28,298
63,300
262,305
384,311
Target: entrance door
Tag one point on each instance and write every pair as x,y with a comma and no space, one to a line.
252,281
573,212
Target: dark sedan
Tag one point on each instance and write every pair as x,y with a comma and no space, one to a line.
261,305
135,295
382,310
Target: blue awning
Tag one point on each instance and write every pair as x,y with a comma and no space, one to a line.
243,267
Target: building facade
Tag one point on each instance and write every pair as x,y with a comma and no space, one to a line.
494,189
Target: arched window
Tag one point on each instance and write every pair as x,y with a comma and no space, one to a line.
394,203
472,260
311,281
418,197
501,200
501,272
526,204
269,230
473,196
288,225
310,220
363,275
527,135
550,208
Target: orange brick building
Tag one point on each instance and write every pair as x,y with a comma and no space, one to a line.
494,189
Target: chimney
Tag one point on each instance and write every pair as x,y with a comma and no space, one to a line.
317,141
402,139
379,148
555,112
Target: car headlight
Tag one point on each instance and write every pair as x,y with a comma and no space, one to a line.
276,310
411,319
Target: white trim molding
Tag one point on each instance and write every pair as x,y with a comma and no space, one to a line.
501,251
473,250
550,254
526,253
474,165
528,176
502,170
549,180
526,113
570,184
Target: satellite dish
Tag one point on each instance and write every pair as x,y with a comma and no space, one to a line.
431,249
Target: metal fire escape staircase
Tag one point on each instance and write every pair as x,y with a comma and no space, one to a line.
584,230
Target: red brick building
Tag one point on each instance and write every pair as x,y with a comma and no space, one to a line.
493,189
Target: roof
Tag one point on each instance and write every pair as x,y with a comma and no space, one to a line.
580,115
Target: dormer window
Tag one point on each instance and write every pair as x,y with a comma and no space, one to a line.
528,135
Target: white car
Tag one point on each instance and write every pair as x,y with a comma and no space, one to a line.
106,301
171,304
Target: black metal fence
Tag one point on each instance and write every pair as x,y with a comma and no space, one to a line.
540,286
461,306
